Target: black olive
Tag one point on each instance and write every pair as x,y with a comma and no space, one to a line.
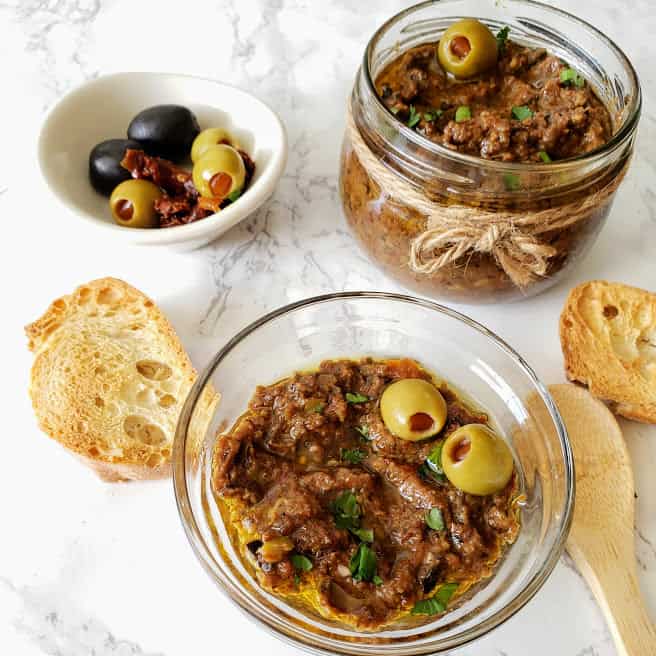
165,131
254,545
105,170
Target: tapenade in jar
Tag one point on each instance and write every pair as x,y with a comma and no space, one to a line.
481,157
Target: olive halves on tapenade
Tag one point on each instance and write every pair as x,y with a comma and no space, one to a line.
467,49
476,460
413,409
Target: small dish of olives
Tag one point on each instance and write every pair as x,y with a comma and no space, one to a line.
131,151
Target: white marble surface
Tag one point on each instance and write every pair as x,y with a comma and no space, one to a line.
92,569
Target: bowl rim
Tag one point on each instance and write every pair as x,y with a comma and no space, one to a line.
626,130
256,195
278,626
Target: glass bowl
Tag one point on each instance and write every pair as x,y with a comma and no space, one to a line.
456,348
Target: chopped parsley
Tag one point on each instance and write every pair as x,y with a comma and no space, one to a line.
234,195
346,511
511,181
437,603
377,580
363,563
364,432
502,38
428,474
431,469
347,515
463,113
395,110
544,156
434,459
354,456
414,117
365,534
435,519
314,405
433,115
356,398
301,564
522,112
569,77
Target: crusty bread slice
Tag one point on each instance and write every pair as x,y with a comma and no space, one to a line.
608,337
109,379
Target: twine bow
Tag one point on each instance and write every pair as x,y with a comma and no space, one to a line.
455,231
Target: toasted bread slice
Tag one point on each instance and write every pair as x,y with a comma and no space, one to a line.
608,337
109,379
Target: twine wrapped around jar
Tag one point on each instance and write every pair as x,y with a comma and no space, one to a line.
453,230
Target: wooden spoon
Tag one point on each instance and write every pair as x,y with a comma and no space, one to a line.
601,541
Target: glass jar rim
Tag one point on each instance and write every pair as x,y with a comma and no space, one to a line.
298,634
616,141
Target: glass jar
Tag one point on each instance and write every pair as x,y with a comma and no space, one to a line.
550,213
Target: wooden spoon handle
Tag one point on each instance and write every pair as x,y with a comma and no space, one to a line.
613,581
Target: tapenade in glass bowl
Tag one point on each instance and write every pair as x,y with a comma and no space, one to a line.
389,331
488,181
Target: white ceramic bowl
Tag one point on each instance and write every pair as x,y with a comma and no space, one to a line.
102,109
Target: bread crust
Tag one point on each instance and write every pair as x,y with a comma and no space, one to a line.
109,379
608,339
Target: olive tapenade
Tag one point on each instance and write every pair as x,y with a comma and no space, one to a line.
527,106
334,488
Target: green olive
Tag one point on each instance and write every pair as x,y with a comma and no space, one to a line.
476,460
467,48
219,172
413,409
133,204
211,137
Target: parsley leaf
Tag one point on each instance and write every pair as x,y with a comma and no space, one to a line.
434,459
347,514
433,115
364,432
502,38
428,474
363,563
544,156
354,456
434,519
522,112
437,603
234,195
431,468
365,534
346,511
511,181
377,580
414,117
463,113
314,405
569,77
356,398
301,563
